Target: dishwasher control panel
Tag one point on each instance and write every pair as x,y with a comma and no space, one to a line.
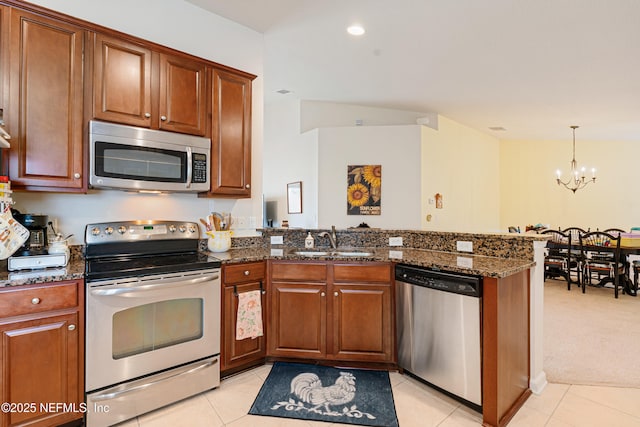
458,283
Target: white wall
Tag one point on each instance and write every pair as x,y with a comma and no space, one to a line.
463,165
288,157
530,194
396,148
185,27
319,114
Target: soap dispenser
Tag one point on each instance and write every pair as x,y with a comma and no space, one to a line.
308,241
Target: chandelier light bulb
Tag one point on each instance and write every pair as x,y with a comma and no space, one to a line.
579,179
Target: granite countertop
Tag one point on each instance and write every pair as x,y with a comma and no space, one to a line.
462,263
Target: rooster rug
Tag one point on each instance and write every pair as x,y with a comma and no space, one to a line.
322,393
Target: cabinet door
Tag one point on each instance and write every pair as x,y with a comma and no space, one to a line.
231,135
46,104
4,59
183,106
298,320
40,364
247,351
362,327
121,82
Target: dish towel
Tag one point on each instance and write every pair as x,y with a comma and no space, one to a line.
249,321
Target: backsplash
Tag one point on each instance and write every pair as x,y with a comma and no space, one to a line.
496,245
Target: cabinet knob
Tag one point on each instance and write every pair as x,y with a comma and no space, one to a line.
35,301
247,186
322,294
147,115
77,175
246,272
163,118
71,327
335,294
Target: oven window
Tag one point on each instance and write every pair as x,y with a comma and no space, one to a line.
140,163
153,326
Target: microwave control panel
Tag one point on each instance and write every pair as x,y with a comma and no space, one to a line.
199,167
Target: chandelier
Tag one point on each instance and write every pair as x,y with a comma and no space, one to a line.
577,179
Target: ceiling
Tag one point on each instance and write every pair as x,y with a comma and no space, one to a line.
531,67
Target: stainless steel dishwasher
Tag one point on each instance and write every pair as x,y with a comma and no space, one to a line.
438,322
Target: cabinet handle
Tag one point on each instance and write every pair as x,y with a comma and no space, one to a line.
147,115
322,294
35,301
247,186
77,175
71,327
246,272
335,294
163,118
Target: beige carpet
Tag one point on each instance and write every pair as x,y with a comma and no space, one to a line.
591,338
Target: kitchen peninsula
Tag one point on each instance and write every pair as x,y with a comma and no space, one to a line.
503,260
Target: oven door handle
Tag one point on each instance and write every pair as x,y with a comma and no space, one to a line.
116,394
158,284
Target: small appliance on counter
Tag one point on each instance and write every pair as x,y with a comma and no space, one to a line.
37,253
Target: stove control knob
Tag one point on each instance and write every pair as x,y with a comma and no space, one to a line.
172,228
95,231
122,229
192,229
182,228
108,230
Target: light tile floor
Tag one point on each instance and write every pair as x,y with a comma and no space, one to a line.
560,405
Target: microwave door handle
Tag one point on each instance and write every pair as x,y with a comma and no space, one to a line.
189,167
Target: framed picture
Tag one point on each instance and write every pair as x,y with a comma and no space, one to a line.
294,197
364,189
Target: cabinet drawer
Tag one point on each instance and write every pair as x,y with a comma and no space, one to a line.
299,271
19,300
239,273
376,273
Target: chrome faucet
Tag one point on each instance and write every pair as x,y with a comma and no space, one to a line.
332,237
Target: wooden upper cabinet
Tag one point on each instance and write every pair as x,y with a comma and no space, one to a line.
4,52
231,135
45,101
183,92
136,86
121,82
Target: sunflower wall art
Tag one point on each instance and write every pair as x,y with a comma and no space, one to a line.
364,189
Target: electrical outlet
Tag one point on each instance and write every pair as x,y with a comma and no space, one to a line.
395,241
277,240
252,222
240,222
464,262
463,246
395,254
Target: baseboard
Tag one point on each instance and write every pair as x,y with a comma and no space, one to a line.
538,384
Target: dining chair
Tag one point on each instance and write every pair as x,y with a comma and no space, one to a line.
574,236
601,260
559,260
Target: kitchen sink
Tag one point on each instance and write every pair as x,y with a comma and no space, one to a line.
344,253
351,253
311,253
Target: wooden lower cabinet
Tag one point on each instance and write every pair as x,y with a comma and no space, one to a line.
42,342
241,354
298,320
333,311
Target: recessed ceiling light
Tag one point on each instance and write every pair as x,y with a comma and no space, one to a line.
355,30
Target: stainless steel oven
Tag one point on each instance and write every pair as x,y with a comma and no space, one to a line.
153,318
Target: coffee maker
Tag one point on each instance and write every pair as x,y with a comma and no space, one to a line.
37,242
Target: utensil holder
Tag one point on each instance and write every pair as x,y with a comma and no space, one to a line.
219,241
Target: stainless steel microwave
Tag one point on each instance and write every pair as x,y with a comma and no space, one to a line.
138,159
